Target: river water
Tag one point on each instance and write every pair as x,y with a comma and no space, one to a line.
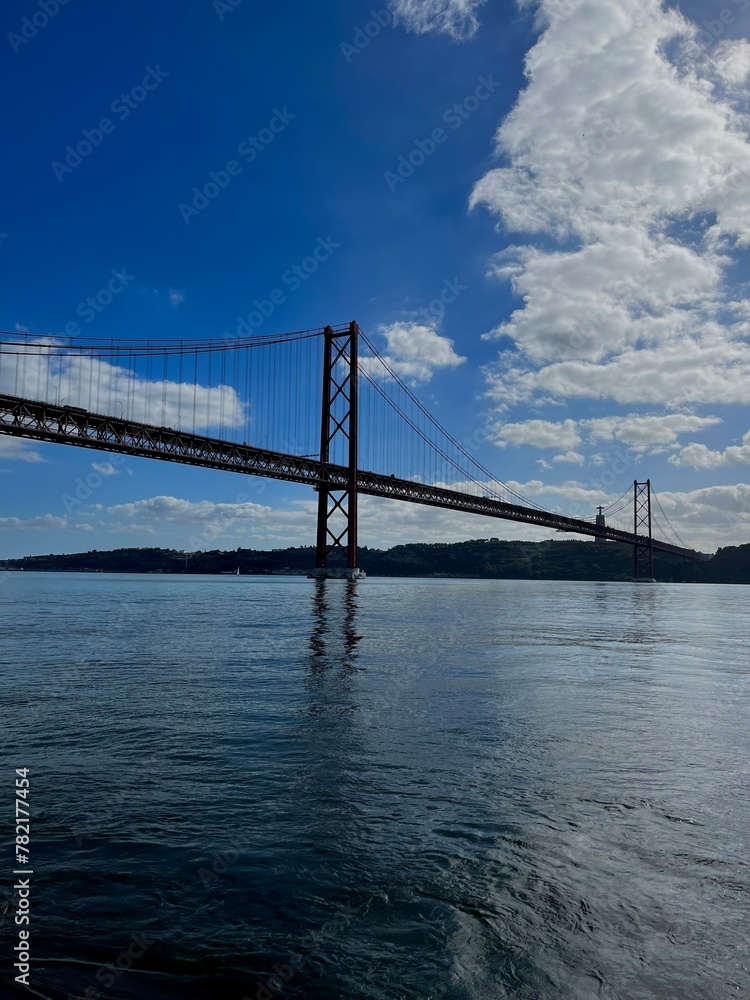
269,787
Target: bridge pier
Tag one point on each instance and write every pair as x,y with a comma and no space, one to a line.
601,522
643,548
337,508
336,573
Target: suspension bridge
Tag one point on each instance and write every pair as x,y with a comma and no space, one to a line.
321,407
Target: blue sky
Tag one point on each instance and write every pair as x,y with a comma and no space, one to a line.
598,240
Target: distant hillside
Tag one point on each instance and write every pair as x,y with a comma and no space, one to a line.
486,559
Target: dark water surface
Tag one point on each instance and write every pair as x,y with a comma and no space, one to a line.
392,789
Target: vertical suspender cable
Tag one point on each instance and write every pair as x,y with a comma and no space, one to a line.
210,384
179,391
195,386
221,392
164,391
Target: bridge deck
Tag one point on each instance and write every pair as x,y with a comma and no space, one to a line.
42,421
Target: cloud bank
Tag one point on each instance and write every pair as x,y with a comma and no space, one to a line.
629,148
707,517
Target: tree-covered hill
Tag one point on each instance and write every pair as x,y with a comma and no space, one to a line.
483,558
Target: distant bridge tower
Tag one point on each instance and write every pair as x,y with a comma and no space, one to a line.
643,550
601,522
337,506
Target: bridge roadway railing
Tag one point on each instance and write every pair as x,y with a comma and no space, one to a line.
70,425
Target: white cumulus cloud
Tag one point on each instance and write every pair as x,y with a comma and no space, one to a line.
539,434
18,450
105,469
414,351
711,518
699,456
732,60
42,521
213,519
629,146
641,432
